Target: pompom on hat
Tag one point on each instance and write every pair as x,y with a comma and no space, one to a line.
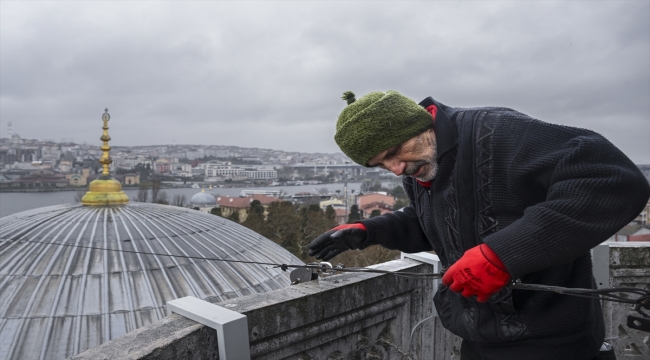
376,122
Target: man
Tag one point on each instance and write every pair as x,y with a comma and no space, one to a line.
500,197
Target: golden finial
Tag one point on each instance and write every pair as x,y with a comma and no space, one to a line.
106,157
105,190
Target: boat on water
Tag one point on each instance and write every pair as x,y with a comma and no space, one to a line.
273,193
195,186
310,195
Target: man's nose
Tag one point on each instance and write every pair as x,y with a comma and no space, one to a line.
395,166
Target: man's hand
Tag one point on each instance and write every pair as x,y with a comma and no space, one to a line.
339,239
478,272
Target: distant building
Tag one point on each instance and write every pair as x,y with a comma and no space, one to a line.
229,205
162,166
376,201
131,179
79,179
41,178
226,170
260,173
65,166
333,202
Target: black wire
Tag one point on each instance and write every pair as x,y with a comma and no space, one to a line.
602,294
151,253
276,265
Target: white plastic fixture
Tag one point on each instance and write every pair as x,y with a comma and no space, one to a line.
231,326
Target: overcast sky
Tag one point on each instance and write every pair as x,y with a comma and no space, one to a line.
270,74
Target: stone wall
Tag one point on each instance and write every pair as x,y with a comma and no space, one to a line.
346,316
629,266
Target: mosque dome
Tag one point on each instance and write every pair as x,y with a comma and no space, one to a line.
203,199
70,278
77,275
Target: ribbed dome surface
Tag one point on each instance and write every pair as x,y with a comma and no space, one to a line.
202,199
60,300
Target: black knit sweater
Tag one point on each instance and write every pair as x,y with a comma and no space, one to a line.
540,195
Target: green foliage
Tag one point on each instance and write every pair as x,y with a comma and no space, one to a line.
283,226
234,216
354,215
216,211
375,212
294,226
255,219
398,192
330,213
161,198
400,203
291,226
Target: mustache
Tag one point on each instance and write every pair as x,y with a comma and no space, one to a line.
412,168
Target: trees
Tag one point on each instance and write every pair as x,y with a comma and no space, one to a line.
313,223
354,215
155,190
216,211
294,226
283,226
179,200
234,216
375,212
162,198
398,192
330,214
255,219
371,186
400,203
143,192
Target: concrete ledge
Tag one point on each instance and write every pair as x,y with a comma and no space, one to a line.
629,266
362,315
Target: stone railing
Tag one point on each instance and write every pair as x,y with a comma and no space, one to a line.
628,266
366,316
361,315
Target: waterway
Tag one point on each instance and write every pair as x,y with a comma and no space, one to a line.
11,203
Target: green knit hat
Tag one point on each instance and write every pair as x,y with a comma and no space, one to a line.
376,122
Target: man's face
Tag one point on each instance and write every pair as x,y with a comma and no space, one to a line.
415,157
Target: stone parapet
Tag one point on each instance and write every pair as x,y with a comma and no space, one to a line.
350,315
629,266
366,316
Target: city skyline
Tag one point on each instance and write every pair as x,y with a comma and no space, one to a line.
270,75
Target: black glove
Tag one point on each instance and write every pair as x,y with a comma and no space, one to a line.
339,239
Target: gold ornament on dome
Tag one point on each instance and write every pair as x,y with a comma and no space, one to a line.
105,190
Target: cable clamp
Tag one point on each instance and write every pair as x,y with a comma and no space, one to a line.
641,323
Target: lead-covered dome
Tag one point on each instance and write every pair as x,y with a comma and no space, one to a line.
70,278
203,199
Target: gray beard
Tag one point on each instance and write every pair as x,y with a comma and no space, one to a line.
430,174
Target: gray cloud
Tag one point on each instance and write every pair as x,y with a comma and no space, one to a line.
270,74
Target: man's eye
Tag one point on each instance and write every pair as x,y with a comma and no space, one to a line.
392,152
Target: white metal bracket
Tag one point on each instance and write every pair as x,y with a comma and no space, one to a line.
427,258
231,326
600,259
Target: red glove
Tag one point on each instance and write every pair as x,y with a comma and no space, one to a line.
359,226
478,272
